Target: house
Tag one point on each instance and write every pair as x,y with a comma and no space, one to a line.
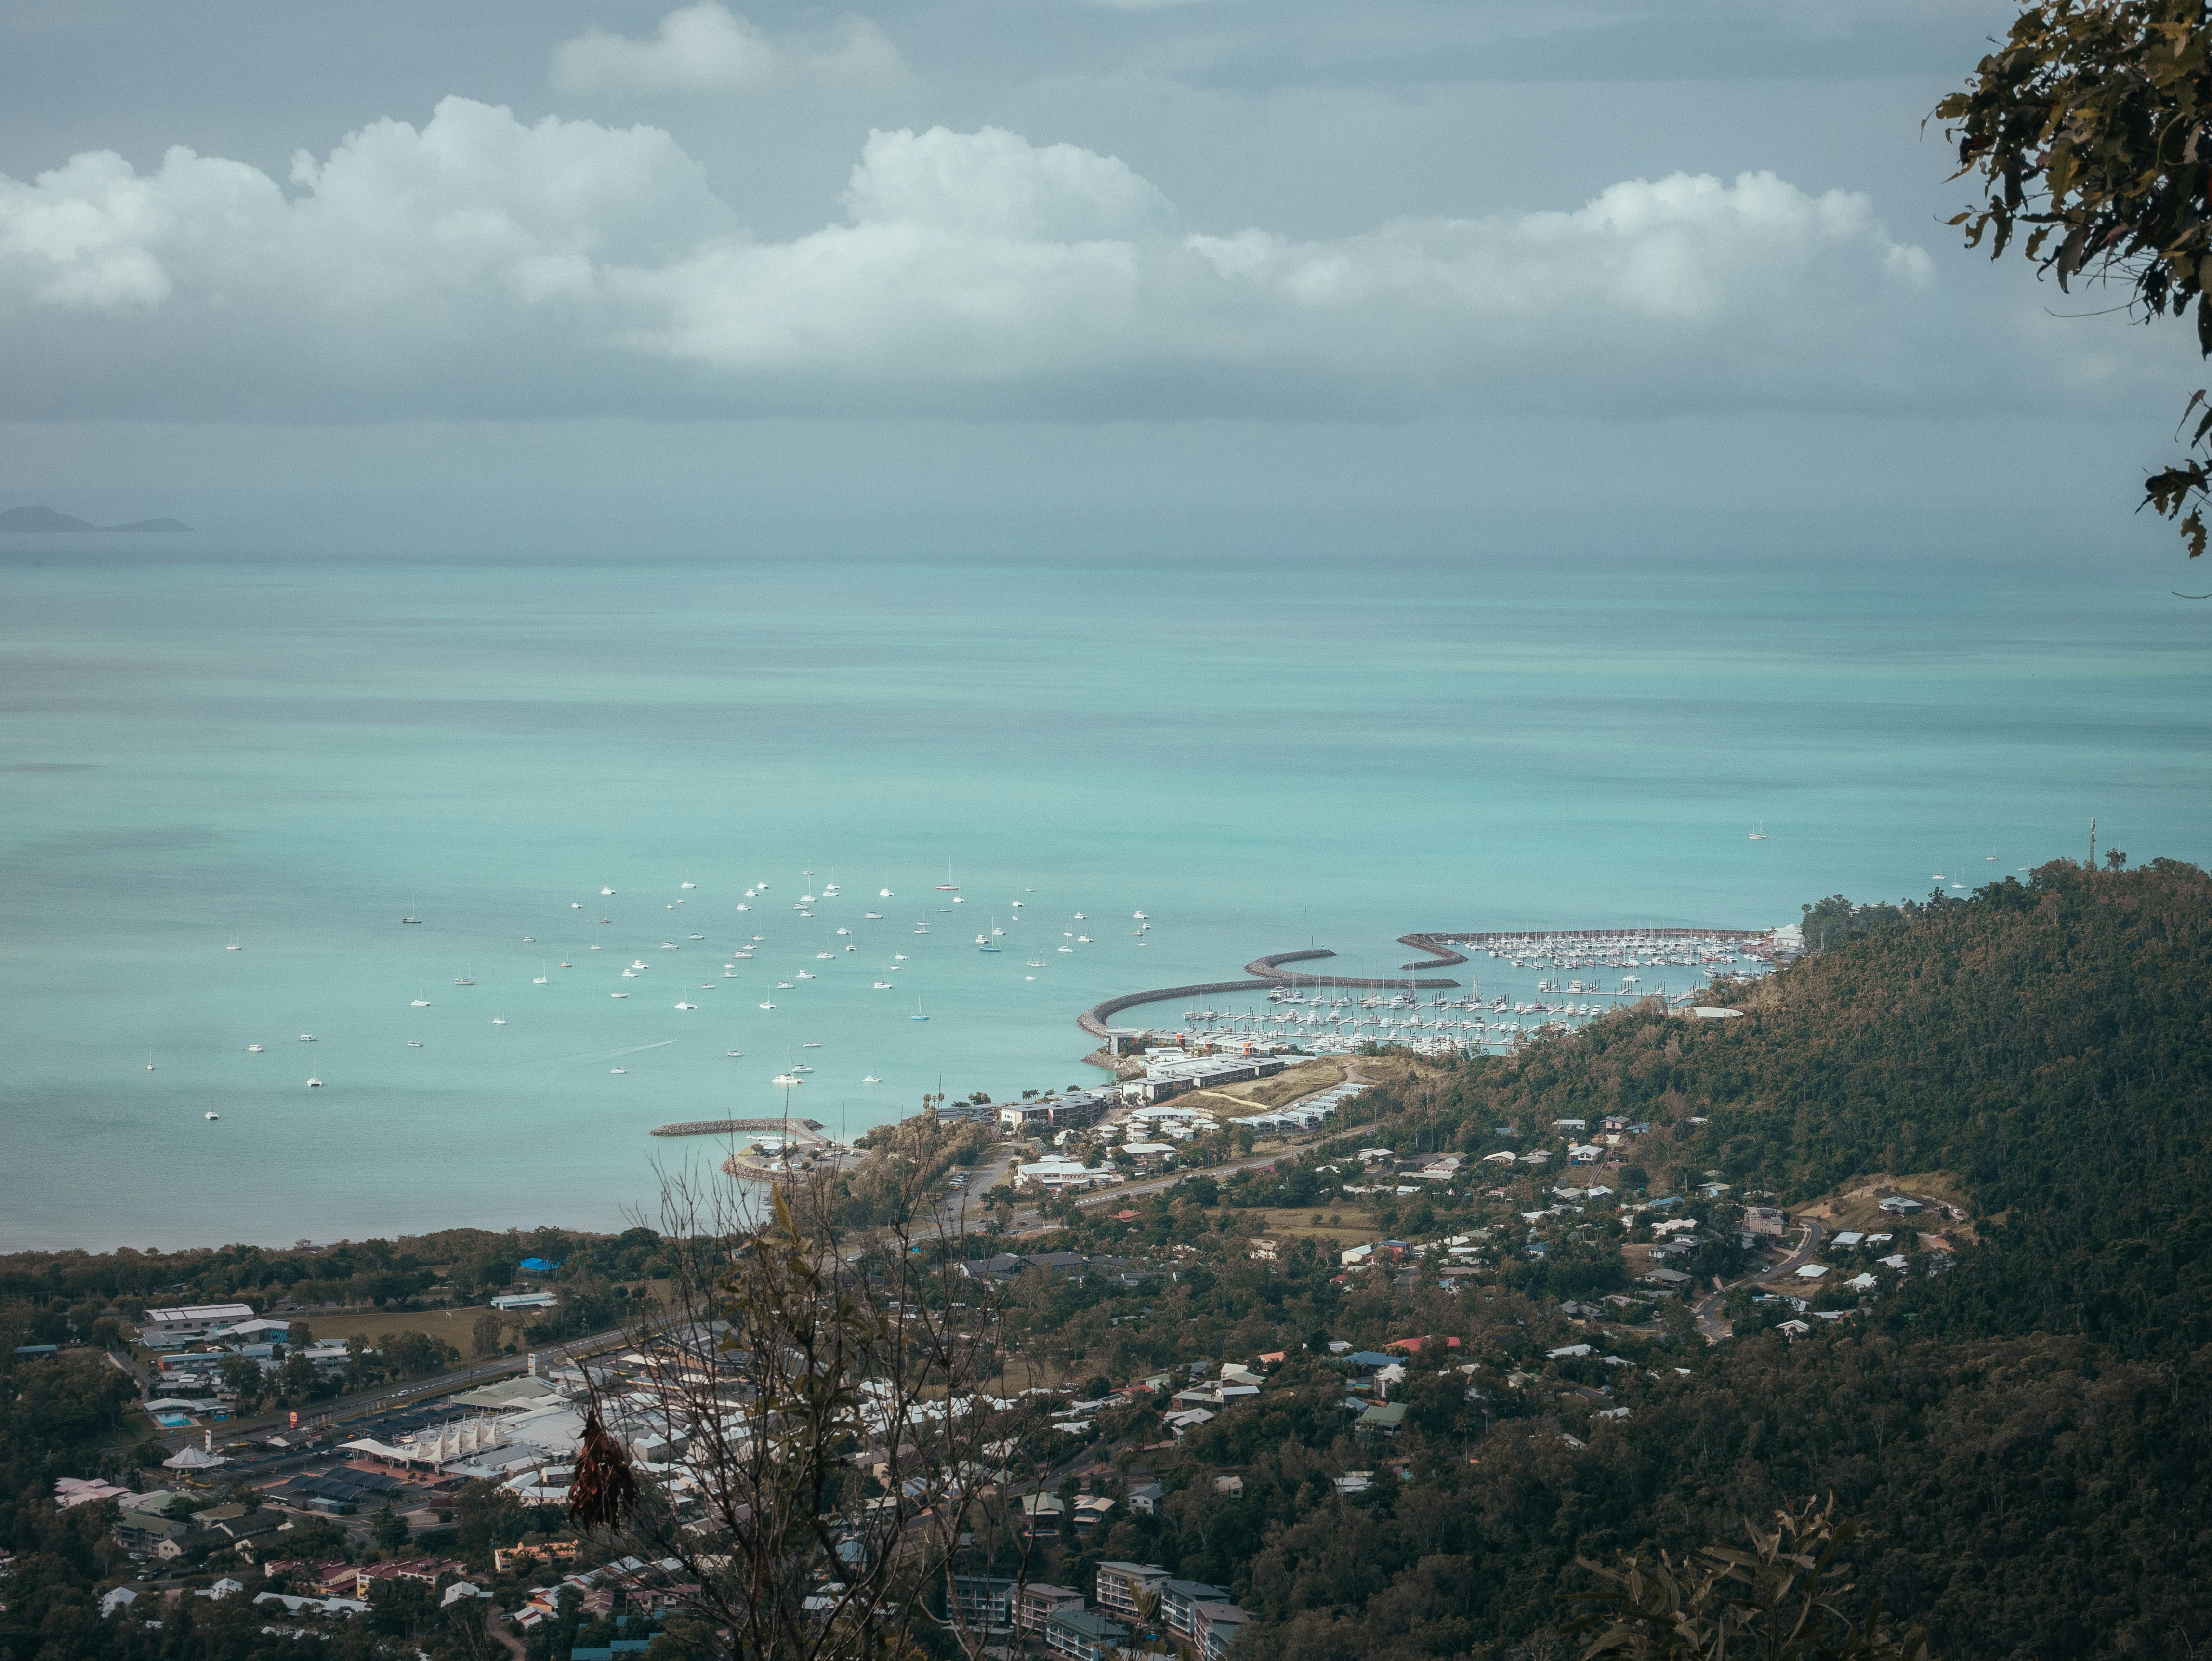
1901,1205
141,1533
119,1597
1231,1486
1190,1419
1179,1601
1669,1278
1123,1587
1082,1635
1385,1418
1811,1271
1145,1497
1851,1237
70,1492
1090,1510
1584,1153
1214,1627
1044,1512
524,1300
296,1605
983,1599
1794,1328
1355,1482
1763,1219
1040,1602
1863,1282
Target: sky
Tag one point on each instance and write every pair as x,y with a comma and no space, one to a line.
1457,267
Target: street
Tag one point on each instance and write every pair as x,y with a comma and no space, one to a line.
1712,1326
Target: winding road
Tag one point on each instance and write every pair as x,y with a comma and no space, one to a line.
1712,1326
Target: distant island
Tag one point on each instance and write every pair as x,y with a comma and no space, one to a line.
45,519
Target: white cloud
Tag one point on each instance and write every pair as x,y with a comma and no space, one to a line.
479,264
708,48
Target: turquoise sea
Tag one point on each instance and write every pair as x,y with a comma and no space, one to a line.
1258,753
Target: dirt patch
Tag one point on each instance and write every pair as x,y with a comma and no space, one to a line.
1859,1206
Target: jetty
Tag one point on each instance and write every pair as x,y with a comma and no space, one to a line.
808,1128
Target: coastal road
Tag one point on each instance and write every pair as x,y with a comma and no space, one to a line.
1712,1326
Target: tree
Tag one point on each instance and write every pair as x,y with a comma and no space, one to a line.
2116,858
390,1530
868,1465
2087,127
296,1382
1780,1601
241,1376
486,1336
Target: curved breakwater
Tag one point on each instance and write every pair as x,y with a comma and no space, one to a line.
1442,947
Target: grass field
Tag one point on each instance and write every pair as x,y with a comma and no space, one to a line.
1352,1227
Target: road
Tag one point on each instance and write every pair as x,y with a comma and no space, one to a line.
1712,1326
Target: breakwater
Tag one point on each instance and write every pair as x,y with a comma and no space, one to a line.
1267,973
1442,950
808,1128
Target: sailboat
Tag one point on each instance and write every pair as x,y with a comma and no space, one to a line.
420,1001
233,946
410,917
990,942
150,1058
313,1082
1759,834
948,886
538,979
917,1015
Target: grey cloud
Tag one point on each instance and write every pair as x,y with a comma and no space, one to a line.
481,266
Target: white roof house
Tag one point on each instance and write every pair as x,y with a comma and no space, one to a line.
1811,1271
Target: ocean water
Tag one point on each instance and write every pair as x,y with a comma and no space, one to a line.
1260,755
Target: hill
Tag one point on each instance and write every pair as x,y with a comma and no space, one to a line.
2019,1422
29,520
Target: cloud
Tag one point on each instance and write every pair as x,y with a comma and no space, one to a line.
708,48
480,265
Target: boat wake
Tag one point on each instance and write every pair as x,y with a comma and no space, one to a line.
606,1054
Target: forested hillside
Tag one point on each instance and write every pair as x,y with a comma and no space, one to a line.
2025,1435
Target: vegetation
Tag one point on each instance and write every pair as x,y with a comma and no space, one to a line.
2087,128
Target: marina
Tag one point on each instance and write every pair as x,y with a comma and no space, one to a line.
1313,1013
